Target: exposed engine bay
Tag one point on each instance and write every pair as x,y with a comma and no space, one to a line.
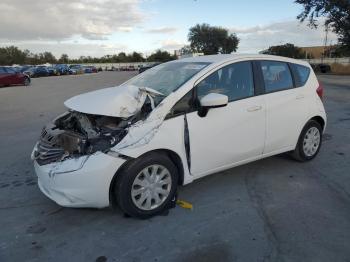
74,134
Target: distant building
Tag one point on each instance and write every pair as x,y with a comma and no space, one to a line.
318,52
179,55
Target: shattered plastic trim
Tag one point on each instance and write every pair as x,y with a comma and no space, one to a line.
143,131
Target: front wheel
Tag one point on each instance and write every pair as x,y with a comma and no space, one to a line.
309,142
26,81
146,186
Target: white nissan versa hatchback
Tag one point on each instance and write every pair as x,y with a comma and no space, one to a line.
134,144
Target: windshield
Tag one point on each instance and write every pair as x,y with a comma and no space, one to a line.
166,78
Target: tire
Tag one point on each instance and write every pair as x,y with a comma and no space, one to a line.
309,142
26,81
138,200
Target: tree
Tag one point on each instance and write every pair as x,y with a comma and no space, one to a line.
185,50
47,57
287,50
136,57
212,40
64,59
12,55
160,56
337,14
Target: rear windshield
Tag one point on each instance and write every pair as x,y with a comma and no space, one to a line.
166,78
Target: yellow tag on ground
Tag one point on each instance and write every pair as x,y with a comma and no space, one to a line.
184,204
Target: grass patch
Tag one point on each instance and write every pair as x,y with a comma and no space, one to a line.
340,69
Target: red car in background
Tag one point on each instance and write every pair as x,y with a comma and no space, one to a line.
9,76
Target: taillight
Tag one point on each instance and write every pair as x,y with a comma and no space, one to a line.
319,91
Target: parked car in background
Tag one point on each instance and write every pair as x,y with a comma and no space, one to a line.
89,69
40,71
134,144
62,69
9,76
17,68
76,69
322,68
94,69
144,68
28,70
52,71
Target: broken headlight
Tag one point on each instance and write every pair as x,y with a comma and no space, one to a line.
75,134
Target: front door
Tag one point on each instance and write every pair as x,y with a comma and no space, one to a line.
230,134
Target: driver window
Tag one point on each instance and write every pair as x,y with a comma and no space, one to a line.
235,80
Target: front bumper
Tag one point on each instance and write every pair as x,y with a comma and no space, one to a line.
80,182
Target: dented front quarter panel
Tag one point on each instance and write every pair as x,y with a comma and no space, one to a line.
155,133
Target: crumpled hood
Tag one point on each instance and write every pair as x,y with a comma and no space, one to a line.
120,101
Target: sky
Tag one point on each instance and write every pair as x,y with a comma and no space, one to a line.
99,27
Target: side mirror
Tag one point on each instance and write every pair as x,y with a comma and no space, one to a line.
212,100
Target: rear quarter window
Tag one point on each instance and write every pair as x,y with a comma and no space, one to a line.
302,74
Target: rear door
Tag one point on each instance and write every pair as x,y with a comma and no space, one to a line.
286,106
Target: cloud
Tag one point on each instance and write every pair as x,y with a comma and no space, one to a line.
257,38
162,30
171,44
64,19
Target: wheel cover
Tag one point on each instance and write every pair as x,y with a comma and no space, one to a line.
151,187
311,141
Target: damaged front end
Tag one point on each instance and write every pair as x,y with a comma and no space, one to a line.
75,134
80,133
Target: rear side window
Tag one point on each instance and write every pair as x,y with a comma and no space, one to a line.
2,70
302,74
276,75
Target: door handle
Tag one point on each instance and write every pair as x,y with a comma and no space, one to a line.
254,108
300,96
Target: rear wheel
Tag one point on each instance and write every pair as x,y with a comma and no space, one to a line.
309,142
146,186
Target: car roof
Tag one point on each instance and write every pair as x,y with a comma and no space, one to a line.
222,58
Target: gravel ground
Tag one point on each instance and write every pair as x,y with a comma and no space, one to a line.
274,209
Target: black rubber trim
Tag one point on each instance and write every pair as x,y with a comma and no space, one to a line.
259,82
187,143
